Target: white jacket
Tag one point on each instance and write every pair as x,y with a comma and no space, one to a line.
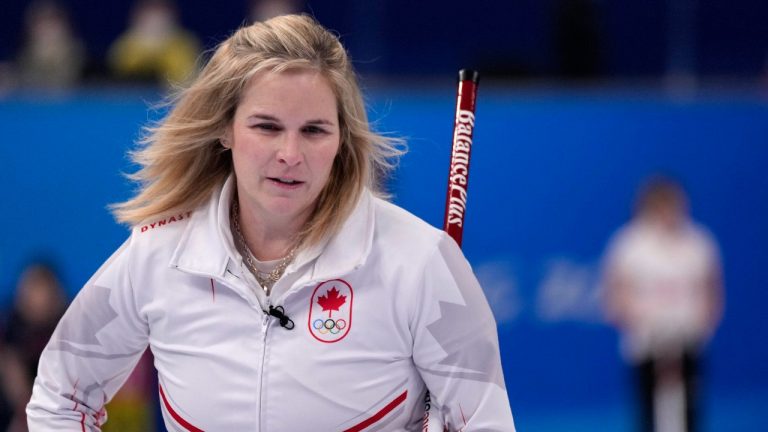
383,311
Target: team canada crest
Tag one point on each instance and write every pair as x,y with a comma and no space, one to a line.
330,311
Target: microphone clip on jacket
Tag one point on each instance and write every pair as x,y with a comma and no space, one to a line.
279,313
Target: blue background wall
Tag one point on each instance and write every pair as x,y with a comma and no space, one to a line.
553,175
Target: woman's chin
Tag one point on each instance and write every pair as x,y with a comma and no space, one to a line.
287,210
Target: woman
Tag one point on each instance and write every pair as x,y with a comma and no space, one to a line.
38,305
664,293
268,278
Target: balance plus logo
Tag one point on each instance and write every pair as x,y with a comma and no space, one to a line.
330,311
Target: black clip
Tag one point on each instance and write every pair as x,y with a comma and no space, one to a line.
279,313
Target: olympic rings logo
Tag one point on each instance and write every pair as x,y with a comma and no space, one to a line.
329,325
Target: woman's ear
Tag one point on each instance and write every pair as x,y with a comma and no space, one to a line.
226,141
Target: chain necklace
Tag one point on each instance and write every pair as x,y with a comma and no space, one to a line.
265,279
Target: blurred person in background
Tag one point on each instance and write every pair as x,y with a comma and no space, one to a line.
132,408
259,232
51,56
155,48
663,292
38,305
262,10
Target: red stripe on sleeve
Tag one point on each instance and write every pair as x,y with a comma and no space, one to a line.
379,415
188,426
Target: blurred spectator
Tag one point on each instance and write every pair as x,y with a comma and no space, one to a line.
51,55
262,10
38,306
132,408
663,292
155,48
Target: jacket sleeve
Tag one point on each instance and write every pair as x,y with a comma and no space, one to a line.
456,348
94,348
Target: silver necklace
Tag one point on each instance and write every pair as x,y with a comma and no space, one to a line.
265,279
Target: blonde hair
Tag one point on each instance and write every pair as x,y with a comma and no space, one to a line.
182,160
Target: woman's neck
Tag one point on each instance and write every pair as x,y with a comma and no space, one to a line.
267,239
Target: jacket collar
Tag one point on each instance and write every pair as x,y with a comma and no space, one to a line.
348,249
206,247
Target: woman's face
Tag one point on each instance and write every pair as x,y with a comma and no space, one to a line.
284,137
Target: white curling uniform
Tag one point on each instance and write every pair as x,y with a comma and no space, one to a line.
383,311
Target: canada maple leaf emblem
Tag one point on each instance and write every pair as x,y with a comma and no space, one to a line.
331,301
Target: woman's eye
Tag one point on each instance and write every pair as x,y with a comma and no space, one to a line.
314,130
267,127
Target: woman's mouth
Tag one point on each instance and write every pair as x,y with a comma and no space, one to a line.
285,182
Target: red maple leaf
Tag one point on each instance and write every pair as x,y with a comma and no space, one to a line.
331,301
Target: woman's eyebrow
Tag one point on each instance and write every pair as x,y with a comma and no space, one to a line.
321,122
263,117
267,117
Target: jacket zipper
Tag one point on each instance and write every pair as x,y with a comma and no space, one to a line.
265,325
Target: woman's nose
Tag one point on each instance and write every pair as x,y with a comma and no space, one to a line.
289,151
